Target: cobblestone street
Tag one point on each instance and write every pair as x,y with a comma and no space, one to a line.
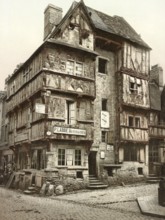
117,203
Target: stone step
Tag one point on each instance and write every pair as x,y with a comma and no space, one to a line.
102,186
95,184
94,181
152,178
153,181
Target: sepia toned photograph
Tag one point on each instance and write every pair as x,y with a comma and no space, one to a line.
82,110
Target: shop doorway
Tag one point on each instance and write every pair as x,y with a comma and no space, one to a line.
92,162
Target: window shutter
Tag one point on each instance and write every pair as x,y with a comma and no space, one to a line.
110,137
121,155
72,114
142,155
69,157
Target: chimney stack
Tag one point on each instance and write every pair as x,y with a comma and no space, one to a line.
52,17
156,73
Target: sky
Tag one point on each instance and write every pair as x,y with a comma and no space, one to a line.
22,25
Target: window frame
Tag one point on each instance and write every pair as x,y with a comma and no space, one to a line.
76,160
102,65
104,104
104,136
131,153
73,69
132,121
70,112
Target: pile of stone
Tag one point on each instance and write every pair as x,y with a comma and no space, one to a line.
49,189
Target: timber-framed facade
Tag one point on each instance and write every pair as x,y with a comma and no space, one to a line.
80,104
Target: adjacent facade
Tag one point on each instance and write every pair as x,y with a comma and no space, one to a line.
81,103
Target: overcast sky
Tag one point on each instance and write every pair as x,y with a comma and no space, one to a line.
22,23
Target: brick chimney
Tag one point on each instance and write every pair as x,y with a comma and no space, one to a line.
52,17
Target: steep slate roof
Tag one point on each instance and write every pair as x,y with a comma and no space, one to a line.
115,25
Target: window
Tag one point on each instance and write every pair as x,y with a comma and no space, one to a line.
70,67
61,157
131,153
102,65
137,122
135,86
69,157
70,113
104,104
74,68
78,157
140,171
134,121
130,121
104,136
79,69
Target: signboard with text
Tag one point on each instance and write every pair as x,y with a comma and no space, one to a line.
104,119
69,131
40,108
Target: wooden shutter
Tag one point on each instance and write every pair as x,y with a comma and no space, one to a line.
121,154
142,154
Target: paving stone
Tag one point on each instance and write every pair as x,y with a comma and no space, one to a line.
14,205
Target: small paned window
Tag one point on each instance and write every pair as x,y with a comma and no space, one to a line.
79,69
104,136
131,153
78,157
133,87
102,66
61,157
70,67
104,104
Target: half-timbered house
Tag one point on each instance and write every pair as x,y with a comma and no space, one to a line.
80,103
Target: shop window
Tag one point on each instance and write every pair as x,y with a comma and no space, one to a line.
38,159
131,153
61,157
69,157
102,65
104,104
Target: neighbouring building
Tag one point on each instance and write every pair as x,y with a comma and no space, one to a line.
80,104
6,154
